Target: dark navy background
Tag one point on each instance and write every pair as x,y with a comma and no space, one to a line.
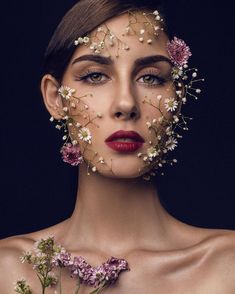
38,189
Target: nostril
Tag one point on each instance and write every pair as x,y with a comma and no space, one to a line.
118,114
133,115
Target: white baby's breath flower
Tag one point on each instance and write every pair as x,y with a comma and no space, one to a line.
171,104
66,92
161,119
99,115
78,125
184,100
101,160
171,143
85,135
176,119
148,124
86,40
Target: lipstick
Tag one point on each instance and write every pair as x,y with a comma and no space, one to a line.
125,141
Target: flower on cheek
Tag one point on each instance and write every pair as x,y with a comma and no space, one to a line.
178,51
85,135
66,92
152,152
71,154
171,104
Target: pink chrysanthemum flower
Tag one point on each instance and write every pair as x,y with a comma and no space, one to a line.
71,154
178,51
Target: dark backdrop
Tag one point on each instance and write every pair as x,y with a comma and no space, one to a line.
38,189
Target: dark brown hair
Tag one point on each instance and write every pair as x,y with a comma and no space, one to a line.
81,19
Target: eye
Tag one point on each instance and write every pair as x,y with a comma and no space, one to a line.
152,80
93,77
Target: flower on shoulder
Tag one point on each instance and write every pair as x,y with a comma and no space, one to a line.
22,288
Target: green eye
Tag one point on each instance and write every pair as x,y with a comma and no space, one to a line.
148,79
152,80
96,77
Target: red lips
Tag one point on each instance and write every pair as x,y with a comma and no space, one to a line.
125,147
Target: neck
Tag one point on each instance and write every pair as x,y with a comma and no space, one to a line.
117,213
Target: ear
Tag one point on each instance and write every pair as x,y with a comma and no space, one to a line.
51,97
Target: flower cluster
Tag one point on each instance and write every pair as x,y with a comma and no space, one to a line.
105,274
109,39
22,288
48,255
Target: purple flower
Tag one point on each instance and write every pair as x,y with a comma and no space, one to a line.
61,259
113,267
107,273
80,268
178,51
97,276
71,154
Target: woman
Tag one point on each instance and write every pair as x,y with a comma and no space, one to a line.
115,83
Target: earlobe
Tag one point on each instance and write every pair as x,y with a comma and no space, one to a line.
51,97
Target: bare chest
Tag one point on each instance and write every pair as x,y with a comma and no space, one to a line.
143,278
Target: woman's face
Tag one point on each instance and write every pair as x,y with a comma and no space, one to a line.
124,93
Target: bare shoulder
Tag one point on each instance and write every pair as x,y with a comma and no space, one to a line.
221,258
11,267
11,249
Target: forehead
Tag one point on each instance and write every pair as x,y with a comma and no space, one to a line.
140,28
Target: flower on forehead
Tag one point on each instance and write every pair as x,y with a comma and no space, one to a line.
85,135
66,92
171,143
171,104
71,154
178,51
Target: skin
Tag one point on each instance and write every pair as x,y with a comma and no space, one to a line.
117,213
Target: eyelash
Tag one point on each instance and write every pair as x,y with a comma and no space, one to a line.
84,78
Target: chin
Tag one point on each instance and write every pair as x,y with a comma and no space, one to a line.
126,169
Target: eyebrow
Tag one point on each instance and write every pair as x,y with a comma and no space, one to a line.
142,61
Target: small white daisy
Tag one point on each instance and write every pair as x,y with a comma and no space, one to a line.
85,135
171,143
171,104
66,92
152,152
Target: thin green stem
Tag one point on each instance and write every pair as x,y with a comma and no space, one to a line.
60,286
78,286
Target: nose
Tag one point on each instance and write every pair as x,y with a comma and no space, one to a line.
125,103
